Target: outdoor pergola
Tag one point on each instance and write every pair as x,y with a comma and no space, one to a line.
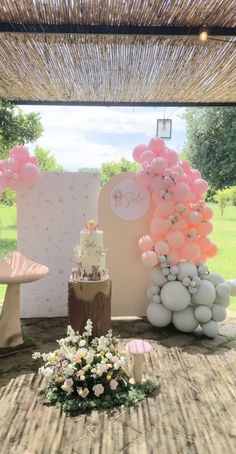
121,52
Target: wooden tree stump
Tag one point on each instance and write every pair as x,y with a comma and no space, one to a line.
90,300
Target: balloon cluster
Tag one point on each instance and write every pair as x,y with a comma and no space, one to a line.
18,170
180,224
189,296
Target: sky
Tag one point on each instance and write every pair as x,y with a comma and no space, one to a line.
88,136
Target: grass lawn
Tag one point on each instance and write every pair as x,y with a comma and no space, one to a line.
224,235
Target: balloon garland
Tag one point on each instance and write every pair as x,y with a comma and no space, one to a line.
18,170
181,288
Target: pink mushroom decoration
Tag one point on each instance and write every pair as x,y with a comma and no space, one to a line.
138,348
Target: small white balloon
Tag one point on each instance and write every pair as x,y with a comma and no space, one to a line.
215,278
192,290
165,271
156,277
171,277
149,293
155,289
156,299
197,279
232,286
193,284
202,314
186,281
205,294
222,290
185,321
174,269
158,315
175,296
161,259
218,313
186,269
211,328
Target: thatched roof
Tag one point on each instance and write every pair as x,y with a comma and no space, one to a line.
118,51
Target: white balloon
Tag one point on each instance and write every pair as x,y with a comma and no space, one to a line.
205,294
174,269
214,278
186,281
211,328
171,277
222,301
202,314
156,277
175,296
149,293
156,299
186,269
226,303
184,320
218,313
158,315
232,285
222,290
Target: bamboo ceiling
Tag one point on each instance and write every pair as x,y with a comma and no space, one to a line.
44,66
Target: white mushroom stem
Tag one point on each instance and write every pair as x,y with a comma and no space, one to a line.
10,326
138,368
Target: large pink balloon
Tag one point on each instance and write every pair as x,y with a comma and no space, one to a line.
207,213
145,243
194,217
143,177
10,164
15,183
185,166
157,145
157,183
20,154
164,209
182,225
159,164
182,191
149,258
33,160
196,173
161,247
3,180
172,158
1,165
205,244
147,156
191,251
205,228
212,251
29,173
175,239
199,186
173,257
159,226
137,152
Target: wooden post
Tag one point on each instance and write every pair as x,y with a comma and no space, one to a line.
90,300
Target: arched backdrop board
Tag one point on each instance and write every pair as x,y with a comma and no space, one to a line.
129,276
50,216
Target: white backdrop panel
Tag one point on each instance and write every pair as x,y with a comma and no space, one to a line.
50,216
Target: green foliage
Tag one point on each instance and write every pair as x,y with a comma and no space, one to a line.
109,169
127,395
46,161
16,127
223,198
89,169
233,195
8,198
211,136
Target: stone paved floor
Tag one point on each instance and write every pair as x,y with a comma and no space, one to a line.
193,410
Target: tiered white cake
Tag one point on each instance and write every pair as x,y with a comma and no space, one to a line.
90,255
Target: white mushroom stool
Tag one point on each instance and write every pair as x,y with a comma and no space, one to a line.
15,269
138,348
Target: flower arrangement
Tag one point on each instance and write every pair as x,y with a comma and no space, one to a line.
86,373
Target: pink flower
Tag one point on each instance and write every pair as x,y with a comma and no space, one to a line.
114,359
83,392
113,384
98,389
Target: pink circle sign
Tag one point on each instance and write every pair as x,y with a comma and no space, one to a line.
129,200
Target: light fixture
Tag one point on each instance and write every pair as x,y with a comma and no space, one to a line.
203,34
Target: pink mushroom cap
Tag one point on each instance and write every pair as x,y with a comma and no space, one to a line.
138,347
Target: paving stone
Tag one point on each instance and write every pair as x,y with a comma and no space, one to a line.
178,341
231,344
212,342
228,330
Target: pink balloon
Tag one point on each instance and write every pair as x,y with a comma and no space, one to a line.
157,145
147,156
195,173
212,251
159,164
10,164
182,224
205,244
137,152
199,186
156,197
20,154
15,183
149,258
157,183
207,213
161,248
164,209
194,217
202,258
143,177
1,165
159,226
145,243
172,158
33,160
205,228
182,191
173,257
3,180
190,251
176,239
29,173
185,166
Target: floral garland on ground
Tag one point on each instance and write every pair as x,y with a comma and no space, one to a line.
87,373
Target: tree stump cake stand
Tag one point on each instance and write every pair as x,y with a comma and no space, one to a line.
90,300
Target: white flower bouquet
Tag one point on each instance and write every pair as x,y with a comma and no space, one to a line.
85,373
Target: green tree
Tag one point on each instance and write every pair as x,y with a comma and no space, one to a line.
47,162
211,137
16,127
223,198
109,169
89,169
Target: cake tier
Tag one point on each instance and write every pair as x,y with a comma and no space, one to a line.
91,257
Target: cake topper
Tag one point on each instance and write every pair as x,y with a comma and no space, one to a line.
91,226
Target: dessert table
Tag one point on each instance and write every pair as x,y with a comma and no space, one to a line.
90,300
